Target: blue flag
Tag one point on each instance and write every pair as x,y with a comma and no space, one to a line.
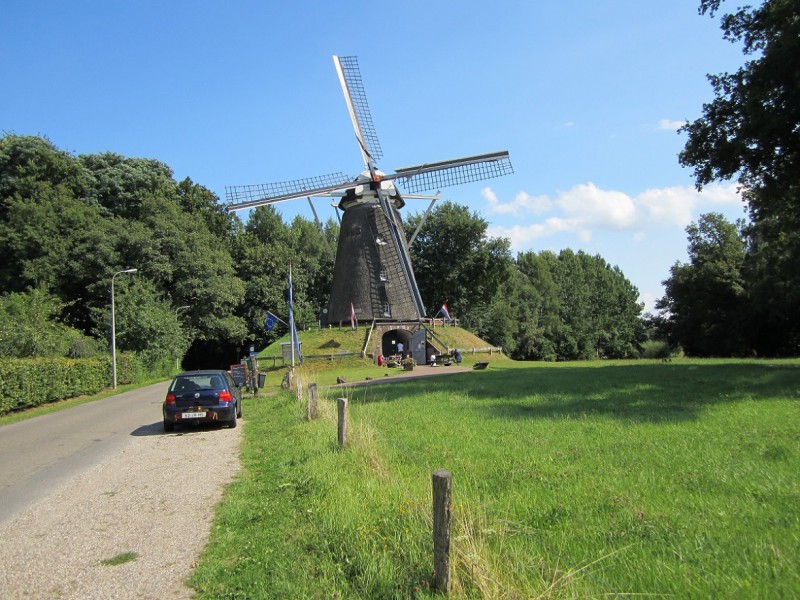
272,320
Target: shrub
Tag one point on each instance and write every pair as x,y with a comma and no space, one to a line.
656,349
29,382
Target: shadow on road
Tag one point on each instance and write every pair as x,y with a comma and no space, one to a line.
157,428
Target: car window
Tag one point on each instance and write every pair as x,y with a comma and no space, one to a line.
191,383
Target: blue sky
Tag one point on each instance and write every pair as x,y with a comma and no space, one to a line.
586,96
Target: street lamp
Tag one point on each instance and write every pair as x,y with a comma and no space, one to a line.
178,358
113,329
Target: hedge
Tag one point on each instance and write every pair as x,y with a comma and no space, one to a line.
29,382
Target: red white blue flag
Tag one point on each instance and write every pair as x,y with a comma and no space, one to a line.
445,312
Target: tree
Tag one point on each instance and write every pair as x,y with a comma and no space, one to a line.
455,261
26,162
751,132
706,299
30,326
530,299
145,322
49,236
120,185
598,308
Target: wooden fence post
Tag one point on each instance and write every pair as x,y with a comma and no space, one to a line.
442,497
343,421
312,401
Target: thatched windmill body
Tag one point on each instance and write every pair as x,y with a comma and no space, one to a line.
373,275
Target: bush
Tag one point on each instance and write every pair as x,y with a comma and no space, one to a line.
25,383
656,349
29,382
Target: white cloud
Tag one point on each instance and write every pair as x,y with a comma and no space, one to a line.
522,203
598,208
585,208
670,125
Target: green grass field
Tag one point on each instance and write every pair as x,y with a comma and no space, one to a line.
569,480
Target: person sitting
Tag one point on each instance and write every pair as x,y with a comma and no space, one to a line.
381,360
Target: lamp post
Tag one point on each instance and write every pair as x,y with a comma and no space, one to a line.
178,358
113,329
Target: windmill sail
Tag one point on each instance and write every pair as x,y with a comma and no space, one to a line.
241,197
434,176
356,98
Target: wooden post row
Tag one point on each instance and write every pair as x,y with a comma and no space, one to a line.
442,498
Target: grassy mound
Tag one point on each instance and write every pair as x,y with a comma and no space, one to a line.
323,342
334,341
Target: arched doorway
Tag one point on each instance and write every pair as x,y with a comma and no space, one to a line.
391,339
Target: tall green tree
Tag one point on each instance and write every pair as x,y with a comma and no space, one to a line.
30,325
146,322
67,223
750,132
706,298
529,304
455,261
598,308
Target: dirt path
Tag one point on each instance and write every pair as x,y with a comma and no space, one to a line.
154,499
418,372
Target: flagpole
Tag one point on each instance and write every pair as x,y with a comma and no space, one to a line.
292,333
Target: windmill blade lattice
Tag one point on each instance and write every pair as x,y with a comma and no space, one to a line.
354,88
240,197
430,176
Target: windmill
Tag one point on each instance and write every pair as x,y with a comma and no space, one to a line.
372,275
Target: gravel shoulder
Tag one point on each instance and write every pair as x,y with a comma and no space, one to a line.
156,498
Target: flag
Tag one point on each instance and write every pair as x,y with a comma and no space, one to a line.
272,320
352,316
292,326
445,312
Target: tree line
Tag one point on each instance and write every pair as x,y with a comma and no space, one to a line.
739,294
205,279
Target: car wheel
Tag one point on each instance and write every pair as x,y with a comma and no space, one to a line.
232,422
169,426
239,409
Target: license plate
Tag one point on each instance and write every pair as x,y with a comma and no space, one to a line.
193,415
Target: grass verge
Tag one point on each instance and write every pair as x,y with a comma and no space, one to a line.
569,479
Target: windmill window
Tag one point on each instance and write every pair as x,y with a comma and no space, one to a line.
383,276
386,311
380,241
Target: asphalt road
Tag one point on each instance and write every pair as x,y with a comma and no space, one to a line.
41,454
